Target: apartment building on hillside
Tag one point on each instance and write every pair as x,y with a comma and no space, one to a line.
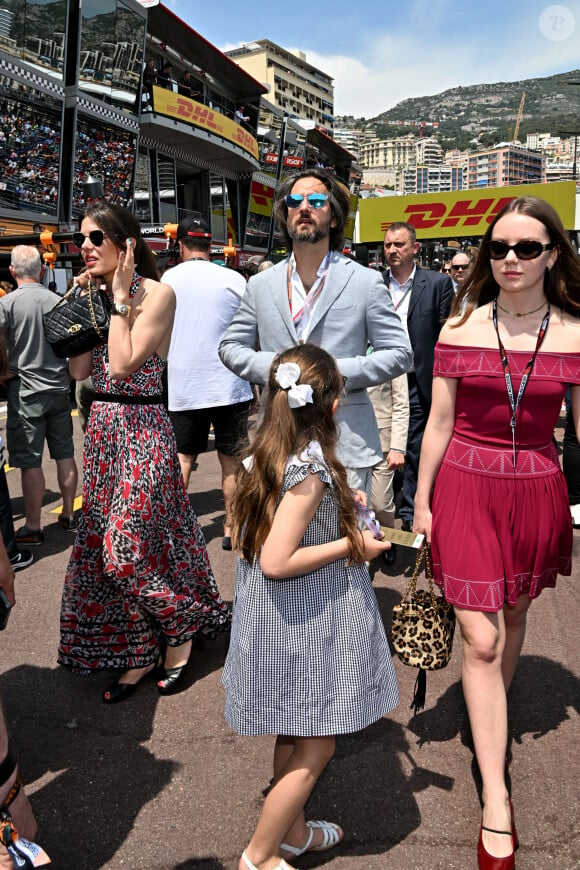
506,164
296,86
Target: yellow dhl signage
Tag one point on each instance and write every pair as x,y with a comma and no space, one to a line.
459,213
191,112
350,221
261,198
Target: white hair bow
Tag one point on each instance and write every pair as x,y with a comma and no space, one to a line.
287,375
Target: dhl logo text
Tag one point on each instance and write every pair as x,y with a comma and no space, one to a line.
463,213
191,111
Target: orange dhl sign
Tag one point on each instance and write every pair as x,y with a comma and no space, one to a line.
460,213
191,112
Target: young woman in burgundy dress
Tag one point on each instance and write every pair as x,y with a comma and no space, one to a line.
491,497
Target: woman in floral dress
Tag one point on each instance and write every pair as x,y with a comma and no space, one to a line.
139,581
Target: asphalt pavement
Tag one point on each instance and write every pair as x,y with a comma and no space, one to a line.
161,783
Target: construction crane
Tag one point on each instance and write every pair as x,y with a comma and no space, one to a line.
519,118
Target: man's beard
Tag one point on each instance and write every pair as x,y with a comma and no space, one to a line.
310,234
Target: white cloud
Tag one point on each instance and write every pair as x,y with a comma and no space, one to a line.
395,69
427,51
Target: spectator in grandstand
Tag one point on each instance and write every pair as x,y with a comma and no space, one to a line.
164,77
188,87
239,116
149,76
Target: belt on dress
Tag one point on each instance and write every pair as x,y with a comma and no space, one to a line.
128,400
497,461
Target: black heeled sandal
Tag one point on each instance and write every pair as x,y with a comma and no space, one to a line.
119,692
171,680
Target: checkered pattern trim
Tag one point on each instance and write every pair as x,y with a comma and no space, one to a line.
188,157
102,110
263,178
29,77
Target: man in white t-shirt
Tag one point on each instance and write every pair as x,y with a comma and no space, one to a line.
202,391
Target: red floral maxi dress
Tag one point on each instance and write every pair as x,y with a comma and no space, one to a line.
139,568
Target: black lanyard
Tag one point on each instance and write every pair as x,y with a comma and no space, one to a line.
515,403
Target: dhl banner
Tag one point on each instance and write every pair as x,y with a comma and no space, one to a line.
261,198
191,112
459,213
349,225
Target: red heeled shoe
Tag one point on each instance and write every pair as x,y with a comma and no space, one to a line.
485,861
515,839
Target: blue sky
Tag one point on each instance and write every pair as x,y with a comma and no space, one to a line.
383,51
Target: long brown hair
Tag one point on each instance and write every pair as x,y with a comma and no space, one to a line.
120,224
285,431
561,282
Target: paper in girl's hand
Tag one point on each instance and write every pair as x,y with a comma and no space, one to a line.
369,519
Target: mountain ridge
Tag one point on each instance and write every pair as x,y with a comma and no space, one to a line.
483,114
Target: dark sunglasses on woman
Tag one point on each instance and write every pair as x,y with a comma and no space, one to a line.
528,250
96,238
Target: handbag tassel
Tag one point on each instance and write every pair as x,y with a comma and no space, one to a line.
418,702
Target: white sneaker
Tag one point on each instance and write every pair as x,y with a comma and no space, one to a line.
575,512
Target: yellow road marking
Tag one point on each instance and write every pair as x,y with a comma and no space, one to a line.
77,504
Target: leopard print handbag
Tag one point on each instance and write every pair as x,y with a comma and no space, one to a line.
423,625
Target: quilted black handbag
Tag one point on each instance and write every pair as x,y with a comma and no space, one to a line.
423,627
78,323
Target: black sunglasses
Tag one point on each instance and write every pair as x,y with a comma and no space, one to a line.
96,238
528,250
461,267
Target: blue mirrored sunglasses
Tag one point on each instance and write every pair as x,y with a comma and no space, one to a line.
314,200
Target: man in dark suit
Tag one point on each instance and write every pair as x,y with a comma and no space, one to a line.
422,299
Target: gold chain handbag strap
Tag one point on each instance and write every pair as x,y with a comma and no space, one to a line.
423,555
94,318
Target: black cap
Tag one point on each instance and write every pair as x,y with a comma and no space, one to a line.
195,228
166,64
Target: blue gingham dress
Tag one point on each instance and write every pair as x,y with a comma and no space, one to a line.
308,655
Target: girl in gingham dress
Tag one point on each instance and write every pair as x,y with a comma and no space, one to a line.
308,657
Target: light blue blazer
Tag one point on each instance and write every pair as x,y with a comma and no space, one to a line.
353,311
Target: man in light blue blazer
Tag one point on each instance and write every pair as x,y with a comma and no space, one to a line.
318,295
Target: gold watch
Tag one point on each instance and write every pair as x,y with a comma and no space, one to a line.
121,309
